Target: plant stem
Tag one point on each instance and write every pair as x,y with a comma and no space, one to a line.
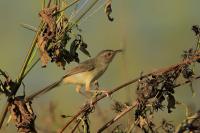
3,115
31,68
21,75
67,6
90,7
82,15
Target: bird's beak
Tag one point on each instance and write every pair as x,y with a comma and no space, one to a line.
118,51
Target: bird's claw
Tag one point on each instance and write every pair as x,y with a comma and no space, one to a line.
104,92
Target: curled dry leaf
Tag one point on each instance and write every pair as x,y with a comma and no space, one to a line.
78,42
171,102
73,49
83,48
108,10
41,43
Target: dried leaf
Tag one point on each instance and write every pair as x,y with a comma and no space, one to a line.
44,57
74,46
67,56
108,10
171,102
61,64
83,48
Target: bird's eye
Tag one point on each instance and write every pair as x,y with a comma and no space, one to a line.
109,54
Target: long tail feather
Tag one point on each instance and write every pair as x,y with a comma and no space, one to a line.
43,91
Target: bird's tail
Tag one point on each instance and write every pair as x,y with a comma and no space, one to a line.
43,91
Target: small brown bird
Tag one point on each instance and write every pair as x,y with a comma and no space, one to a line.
85,73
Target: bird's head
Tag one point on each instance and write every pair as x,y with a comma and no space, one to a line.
106,56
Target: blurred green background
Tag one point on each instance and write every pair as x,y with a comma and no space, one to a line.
154,34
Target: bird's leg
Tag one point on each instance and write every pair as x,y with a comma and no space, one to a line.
97,91
78,90
93,94
96,84
101,91
88,88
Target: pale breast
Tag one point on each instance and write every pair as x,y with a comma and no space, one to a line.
80,78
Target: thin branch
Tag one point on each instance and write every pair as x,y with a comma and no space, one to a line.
90,7
3,115
75,127
67,6
82,15
42,91
187,81
117,117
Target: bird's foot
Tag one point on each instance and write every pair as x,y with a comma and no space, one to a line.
105,92
100,92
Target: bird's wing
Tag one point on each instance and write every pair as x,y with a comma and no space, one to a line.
82,67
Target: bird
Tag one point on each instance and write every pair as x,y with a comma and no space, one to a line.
85,73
